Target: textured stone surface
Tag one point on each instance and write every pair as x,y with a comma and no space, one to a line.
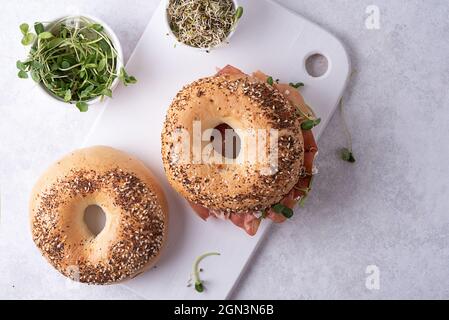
391,209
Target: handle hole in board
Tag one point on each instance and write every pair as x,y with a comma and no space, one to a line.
317,65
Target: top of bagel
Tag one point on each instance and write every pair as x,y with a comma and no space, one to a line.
135,207
247,104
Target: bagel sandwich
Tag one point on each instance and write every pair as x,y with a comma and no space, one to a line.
242,191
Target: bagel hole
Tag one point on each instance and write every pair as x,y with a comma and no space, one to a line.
227,143
317,65
95,219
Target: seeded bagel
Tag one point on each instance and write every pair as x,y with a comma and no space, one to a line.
244,103
134,204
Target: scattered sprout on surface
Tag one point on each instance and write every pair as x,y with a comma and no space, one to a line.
199,286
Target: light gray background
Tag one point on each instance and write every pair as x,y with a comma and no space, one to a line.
391,209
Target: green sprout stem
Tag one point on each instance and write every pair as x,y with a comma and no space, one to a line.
196,271
346,153
303,115
345,125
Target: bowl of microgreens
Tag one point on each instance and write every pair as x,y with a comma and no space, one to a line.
76,60
202,24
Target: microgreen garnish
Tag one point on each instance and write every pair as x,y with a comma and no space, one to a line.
97,27
302,114
270,81
82,106
306,192
202,23
296,85
284,210
22,74
310,124
74,59
45,35
24,27
199,286
28,37
302,201
239,12
346,153
39,28
310,121
264,214
20,65
125,78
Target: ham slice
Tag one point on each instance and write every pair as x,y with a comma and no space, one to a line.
230,70
275,217
248,221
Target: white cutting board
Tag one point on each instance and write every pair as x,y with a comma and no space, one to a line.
270,38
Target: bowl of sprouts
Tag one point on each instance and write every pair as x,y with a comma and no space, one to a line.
77,60
202,24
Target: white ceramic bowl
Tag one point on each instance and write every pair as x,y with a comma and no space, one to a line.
114,40
226,40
